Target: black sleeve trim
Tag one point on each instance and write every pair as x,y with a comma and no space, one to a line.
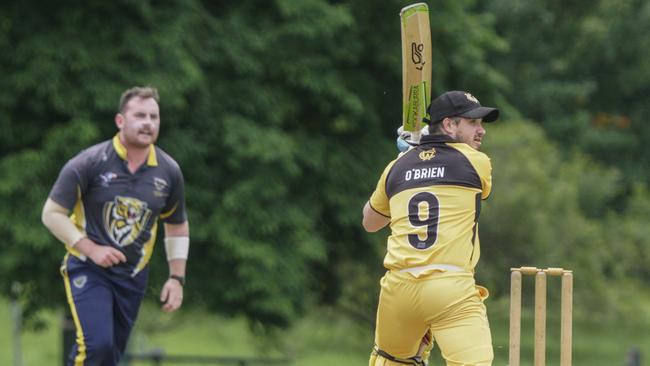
369,204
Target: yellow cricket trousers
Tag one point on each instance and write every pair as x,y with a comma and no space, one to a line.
449,304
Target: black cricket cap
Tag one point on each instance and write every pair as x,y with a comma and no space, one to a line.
460,104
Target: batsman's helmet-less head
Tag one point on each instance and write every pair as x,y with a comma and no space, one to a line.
460,104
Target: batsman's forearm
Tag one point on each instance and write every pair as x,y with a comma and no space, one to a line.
372,221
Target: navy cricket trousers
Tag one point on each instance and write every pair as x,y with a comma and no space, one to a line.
104,309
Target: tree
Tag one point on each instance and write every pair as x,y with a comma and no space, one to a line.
280,113
579,70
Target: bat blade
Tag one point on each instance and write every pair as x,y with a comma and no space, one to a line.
416,65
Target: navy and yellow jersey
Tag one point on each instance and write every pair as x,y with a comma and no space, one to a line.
118,208
432,195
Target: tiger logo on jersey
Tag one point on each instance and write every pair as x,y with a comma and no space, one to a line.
125,218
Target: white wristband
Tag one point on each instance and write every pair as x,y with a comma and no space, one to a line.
177,247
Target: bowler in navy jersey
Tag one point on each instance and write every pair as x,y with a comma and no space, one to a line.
105,207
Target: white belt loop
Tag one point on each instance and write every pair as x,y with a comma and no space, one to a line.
443,267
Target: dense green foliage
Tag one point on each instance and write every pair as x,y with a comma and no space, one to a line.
282,114
580,69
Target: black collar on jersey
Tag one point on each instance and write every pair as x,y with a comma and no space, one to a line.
432,139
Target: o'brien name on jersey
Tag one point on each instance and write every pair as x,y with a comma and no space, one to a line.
424,173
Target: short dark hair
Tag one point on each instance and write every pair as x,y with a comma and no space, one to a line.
140,92
436,128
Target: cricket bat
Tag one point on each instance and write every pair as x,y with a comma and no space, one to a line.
416,66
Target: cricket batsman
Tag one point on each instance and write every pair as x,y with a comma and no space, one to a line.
431,196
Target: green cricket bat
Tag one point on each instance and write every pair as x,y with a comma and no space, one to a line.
416,66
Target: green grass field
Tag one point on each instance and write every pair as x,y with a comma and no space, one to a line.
323,338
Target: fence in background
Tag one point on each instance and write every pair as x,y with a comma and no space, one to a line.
17,320
633,357
159,358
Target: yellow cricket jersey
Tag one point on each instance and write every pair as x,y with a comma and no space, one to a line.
432,195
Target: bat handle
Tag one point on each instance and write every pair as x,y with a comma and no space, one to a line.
415,136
